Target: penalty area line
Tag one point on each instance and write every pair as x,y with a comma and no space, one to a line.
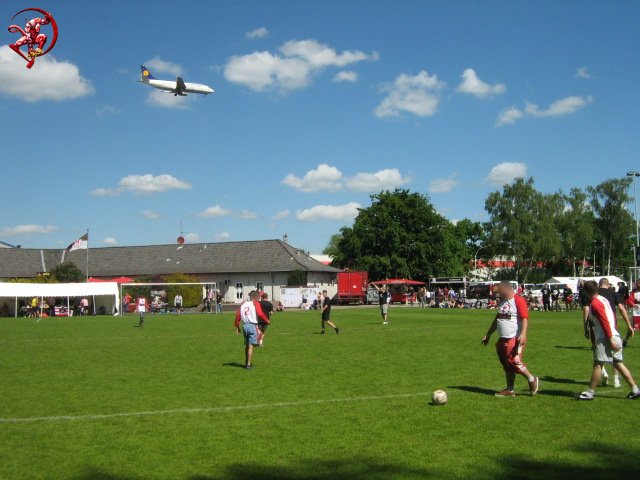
188,411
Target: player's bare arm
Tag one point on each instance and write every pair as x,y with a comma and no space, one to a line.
623,311
492,328
524,327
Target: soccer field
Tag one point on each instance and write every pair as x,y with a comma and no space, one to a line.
96,398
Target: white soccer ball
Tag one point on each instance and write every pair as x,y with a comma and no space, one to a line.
439,397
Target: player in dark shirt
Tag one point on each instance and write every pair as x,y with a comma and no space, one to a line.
546,298
267,308
326,312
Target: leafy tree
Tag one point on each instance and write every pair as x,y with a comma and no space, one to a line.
614,223
523,223
576,229
333,247
191,294
143,290
68,272
297,278
402,235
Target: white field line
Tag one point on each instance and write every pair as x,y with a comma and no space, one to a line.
187,411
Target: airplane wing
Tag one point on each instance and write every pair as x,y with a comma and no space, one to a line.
180,86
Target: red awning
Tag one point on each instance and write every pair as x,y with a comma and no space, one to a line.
398,281
117,279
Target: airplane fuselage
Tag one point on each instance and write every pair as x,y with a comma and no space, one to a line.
171,86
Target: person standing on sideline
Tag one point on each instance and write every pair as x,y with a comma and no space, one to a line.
634,302
384,298
607,347
177,303
218,302
267,308
248,314
512,323
326,312
141,308
546,297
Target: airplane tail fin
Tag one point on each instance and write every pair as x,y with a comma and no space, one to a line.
145,74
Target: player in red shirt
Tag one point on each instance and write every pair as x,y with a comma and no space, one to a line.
512,323
634,302
607,346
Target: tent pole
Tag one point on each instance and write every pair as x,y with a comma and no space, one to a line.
94,304
15,312
68,307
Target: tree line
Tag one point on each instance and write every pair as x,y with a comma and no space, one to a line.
581,232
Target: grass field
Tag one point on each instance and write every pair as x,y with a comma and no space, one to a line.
99,399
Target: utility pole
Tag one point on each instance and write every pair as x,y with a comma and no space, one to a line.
634,175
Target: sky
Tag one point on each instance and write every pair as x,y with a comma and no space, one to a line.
318,105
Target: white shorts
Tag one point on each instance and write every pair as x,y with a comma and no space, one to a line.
603,353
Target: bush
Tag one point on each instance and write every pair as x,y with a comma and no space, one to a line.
191,294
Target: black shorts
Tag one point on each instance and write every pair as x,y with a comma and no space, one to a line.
263,326
178,305
326,316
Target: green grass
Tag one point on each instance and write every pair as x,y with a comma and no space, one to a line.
101,365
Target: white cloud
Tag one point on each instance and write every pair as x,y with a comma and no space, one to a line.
110,241
386,179
281,215
257,33
583,72
108,110
472,85
411,94
222,236
506,172
49,79
192,237
348,211
559,108
216,211
323,178
293,67
29,229
443,185
346,76
157,64
159,98
564,106
151,214
331,179
246,215
143,184
509,116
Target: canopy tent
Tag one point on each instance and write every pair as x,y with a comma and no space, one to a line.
398,281
117,280
573,281
104,293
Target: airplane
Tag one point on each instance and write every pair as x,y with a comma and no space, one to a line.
177,87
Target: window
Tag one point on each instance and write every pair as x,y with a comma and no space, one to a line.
239,291
260,286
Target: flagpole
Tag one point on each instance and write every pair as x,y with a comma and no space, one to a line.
87,254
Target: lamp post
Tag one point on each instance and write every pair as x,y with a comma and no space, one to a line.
634,175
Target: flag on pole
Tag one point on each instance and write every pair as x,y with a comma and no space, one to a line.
81,244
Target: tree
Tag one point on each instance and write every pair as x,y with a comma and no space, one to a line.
576,229
68,272
333,247
614,223
297,278
402,235
192,295
523,222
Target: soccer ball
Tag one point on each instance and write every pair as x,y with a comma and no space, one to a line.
439,397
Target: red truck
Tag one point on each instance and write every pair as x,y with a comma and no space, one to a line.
352,287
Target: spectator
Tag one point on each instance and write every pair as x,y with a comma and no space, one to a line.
567,297
218,302
546,297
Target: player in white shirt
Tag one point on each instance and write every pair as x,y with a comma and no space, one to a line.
511,322
607,346
177,303
248,315
141,308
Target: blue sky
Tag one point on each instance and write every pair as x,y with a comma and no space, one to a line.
317,105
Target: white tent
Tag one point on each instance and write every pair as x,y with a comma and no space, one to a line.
104,293
573,281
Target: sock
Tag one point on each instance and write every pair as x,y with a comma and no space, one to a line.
604,373
531,378
635,389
